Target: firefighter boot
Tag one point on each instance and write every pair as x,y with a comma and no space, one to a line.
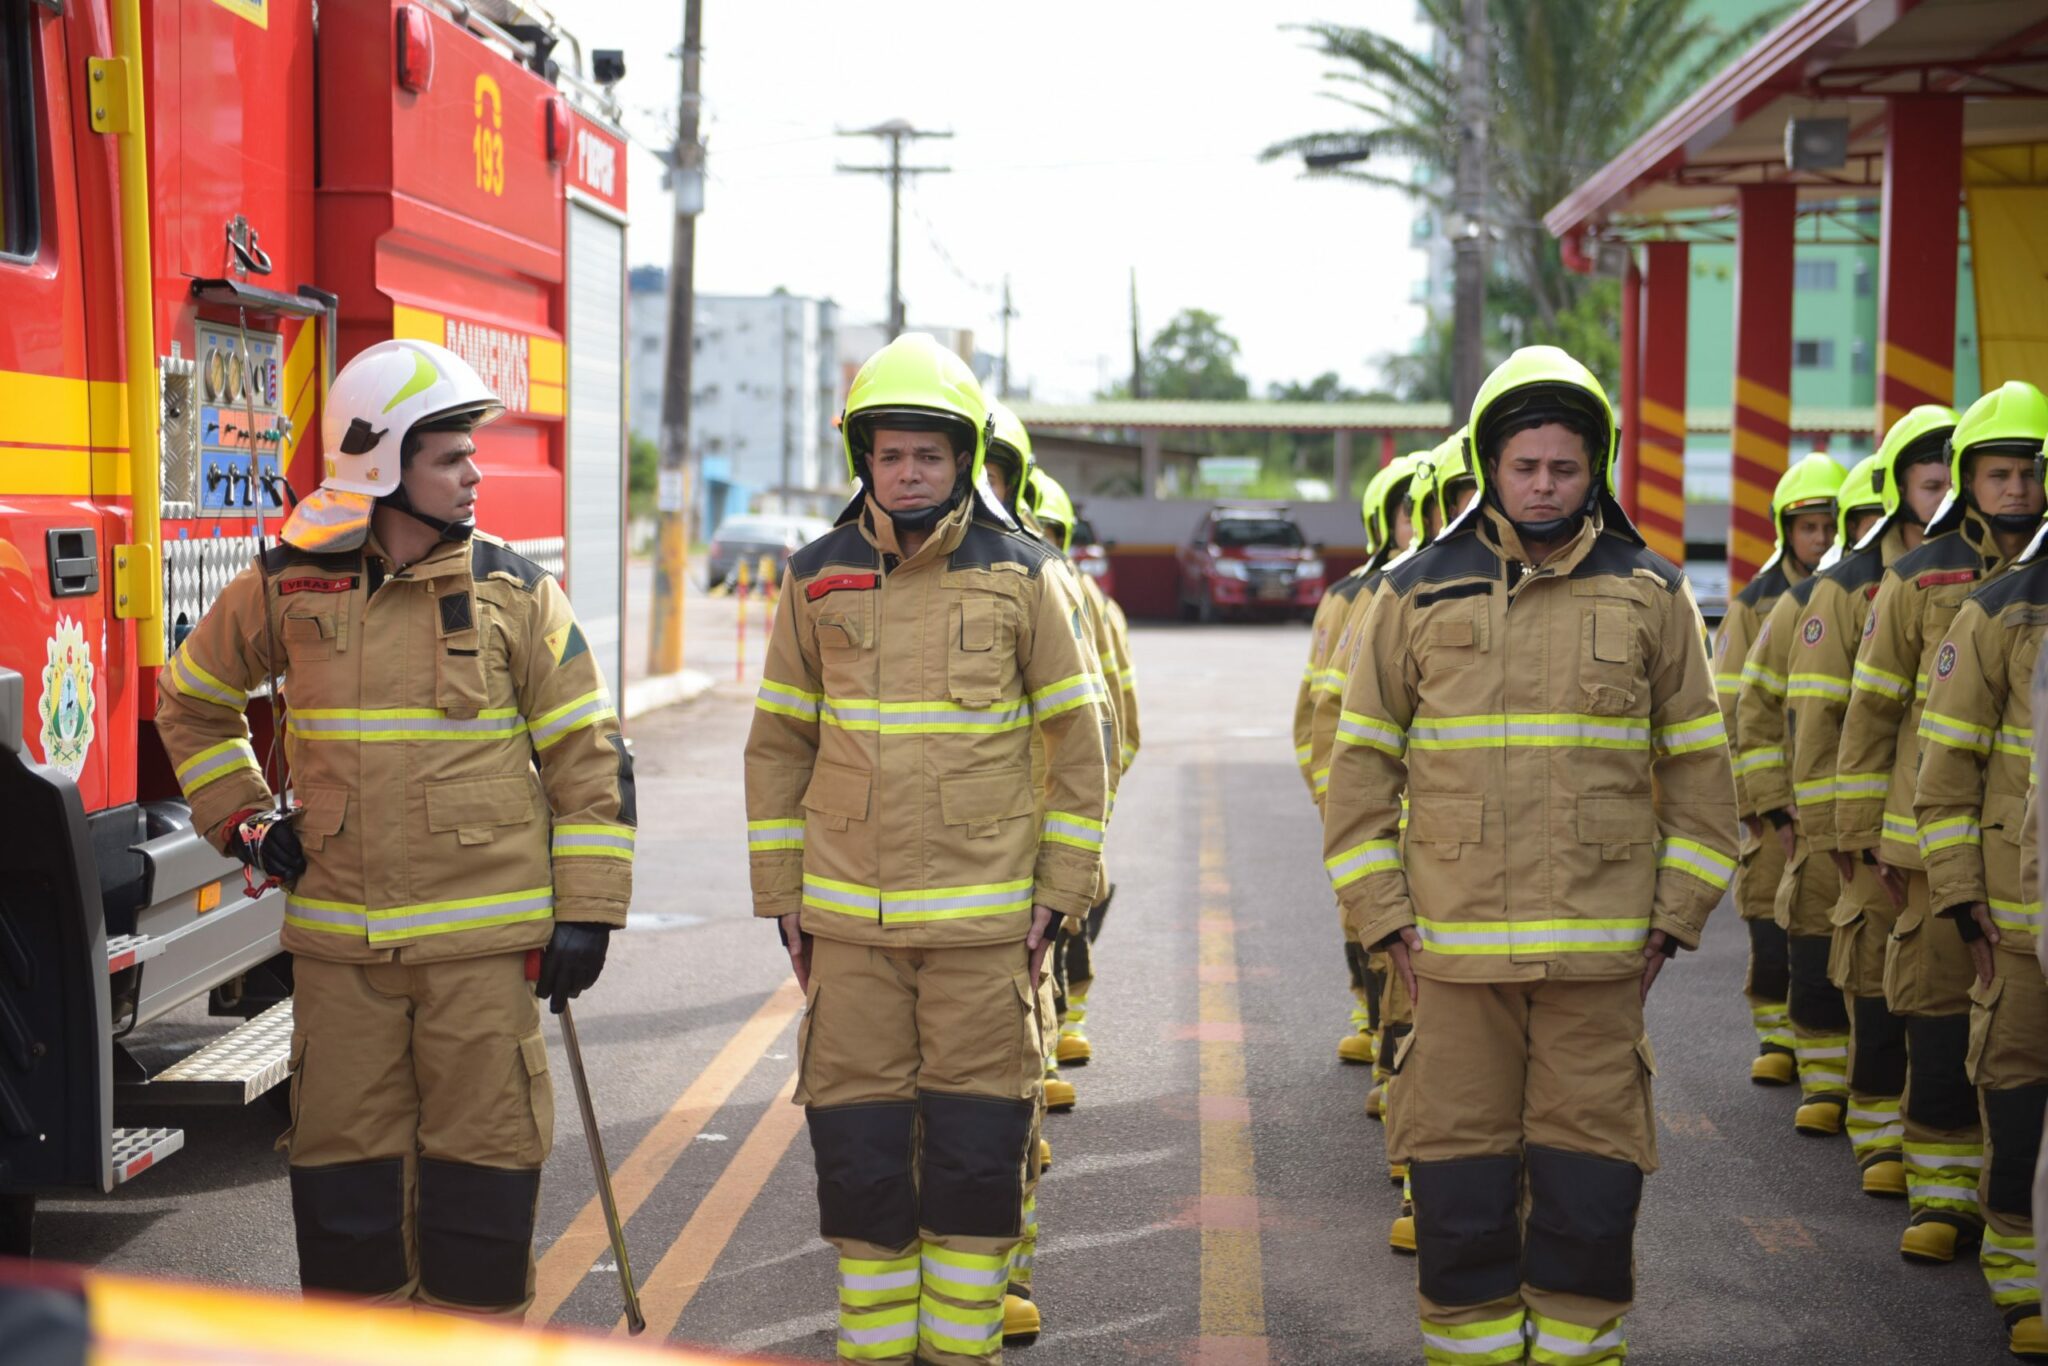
1074,1050
1358,1046
1060,1095
1770,981
1401,1237
1020,1321
1885,1179
1044,1155
2028,1339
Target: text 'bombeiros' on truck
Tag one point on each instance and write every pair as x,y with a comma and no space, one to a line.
206,207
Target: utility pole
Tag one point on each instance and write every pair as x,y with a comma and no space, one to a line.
1003,372
1137,353
678,481
1468,243
896,132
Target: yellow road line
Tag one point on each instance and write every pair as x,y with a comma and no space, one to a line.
682,1269
571,1256
1233,1301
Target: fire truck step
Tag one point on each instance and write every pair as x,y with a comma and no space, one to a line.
137,1150
126,950
232,1070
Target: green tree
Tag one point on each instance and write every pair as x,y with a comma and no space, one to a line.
643,466
1574,81
1191,357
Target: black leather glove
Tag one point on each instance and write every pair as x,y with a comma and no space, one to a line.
270,846
573,959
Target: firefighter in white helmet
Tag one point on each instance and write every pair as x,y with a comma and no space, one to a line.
463,798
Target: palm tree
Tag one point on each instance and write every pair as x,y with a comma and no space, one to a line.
1574,82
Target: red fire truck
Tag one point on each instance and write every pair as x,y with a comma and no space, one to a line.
205,207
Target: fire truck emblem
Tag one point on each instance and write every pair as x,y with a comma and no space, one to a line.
67,703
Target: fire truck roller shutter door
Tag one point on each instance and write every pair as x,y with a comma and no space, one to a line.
595,421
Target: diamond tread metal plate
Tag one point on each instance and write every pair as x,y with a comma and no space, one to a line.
235,1068
137,1150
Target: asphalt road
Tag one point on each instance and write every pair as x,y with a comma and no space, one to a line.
1217,1196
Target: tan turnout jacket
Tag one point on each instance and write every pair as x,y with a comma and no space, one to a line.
889,791
1566,765
450,739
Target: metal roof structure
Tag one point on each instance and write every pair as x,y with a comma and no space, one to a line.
1833,58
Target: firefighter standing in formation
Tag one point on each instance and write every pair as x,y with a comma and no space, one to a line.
1569,828
464,796
1909,474
897,837
1991,511
1804,513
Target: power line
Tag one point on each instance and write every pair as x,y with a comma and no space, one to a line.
896,132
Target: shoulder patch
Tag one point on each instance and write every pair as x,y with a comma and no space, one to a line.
841,545
984,546
488,557
1945,659
1812,632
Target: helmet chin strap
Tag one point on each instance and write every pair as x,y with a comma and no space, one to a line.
1550,529
399,500
925,518
2012,521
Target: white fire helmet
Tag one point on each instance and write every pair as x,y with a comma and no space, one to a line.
377,399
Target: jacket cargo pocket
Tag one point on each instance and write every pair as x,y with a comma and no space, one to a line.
837,794
845,627
308,636
475,808
1455,634
976,668
1617,825
983,801
1607,666
322,812
540,1092
1445,825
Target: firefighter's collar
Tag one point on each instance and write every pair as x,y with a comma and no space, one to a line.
880,531
446,559
1507,543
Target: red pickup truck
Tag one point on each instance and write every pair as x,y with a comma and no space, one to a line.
1249,561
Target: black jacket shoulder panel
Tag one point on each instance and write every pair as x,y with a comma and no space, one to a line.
1950,550
1769,584
1857,569
2026,586
1462,556
1620,557
986,545
843,545
1802,592
1351,585
490,557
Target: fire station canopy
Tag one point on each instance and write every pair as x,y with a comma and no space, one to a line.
1833,59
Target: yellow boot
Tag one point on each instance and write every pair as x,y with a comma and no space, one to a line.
1397,1172
1044,1155
1358,1046
1074,1049
1885,1179
1772,1069
1401,1237
2029,1338
1376,1103
1931,1241
1020,1320
1059,1094
1820,1118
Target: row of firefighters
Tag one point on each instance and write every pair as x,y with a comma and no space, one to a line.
1874,685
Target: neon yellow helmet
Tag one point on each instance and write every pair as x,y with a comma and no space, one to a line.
1008,439
1049,504
916,384
1927,426
1538,385
1453,464
1377,508
1421,494
1862,491
2010,420
1811,485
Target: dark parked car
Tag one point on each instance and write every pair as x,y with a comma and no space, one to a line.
1091,557
748,538
1249,561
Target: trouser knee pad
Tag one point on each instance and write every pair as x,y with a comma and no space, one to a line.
1812,1000
866,1190
972,1175
1940,1096
350,1221
1080,959
2012,1124
1354,963
1390,1043
1467,1243
1879,1065
476,1232
1770,967
1099,912
1582,1224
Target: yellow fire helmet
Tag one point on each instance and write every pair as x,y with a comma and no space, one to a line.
1809,486
1453,467
1535,386
2010,420
1009,445
1383,492
915,384
1862,491
1051,507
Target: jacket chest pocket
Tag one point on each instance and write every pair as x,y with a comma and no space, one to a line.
1610,669
980,652
461,638
322,811
844,633
308,636
1455,636
475,809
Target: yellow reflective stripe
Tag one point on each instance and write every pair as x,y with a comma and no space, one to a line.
784,700
371,725
1955,732
1819,685
1363,860
216,761
1770,680
593,841
1902,829
1710,866
1486,1343
2015,740
922,718
1562,935
2024,917
1870,678
1555,1342
1690,737
1064,827
1862,786
571,717
1564,730
1321,779
876,1334
422,919
1354,728
863,1281
764,835
1758,759
194,681
1066,695
917,907
1949,833
1731,684
1814,790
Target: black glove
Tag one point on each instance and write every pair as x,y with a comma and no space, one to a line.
268,844
573,959
1965,923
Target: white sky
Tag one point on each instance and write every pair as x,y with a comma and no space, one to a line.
1089,138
